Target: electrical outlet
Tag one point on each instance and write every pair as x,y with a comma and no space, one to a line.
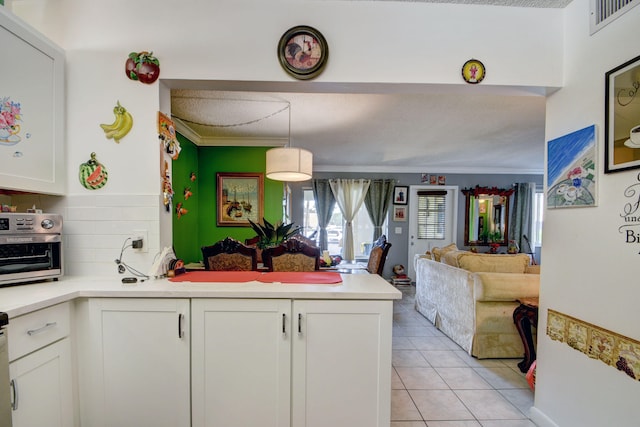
141,235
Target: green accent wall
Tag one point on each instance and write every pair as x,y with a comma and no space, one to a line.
198,227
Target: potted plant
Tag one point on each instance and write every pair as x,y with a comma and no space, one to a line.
273,235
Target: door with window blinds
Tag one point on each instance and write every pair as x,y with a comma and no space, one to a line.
432,211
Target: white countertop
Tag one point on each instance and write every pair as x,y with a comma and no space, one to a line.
21,299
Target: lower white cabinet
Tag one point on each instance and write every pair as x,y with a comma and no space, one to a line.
341,363
134,368
41,387
40,368
241,362
216,362
300,363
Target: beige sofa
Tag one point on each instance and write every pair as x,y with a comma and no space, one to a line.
471,297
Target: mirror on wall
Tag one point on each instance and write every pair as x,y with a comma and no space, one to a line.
486,216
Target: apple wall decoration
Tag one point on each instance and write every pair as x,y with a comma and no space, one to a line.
143,67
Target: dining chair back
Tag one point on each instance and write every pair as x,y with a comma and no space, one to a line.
292,255
229,255
378,255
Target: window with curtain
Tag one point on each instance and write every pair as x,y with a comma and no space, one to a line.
431,214
362,227
538,209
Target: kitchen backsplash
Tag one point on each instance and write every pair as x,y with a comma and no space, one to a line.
96,227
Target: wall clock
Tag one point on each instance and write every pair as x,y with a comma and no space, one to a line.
303,52
473,71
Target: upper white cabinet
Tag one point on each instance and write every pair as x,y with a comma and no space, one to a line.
31,109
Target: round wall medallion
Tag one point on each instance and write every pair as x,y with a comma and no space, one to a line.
303,52
473,71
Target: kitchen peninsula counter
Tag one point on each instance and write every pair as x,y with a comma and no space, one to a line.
189,353
17,300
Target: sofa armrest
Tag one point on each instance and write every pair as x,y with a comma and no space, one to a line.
506,286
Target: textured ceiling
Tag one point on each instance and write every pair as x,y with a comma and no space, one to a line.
364,128
516,3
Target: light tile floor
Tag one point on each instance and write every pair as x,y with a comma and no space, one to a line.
437,384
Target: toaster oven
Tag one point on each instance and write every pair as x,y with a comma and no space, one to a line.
30,247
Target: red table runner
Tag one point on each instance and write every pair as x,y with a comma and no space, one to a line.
217,276
312,277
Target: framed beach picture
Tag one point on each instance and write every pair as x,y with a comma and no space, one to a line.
622,117
571,170
240,198
400,195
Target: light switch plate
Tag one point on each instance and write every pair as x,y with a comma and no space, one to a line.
398,230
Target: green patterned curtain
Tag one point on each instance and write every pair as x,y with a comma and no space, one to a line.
521,221
325,202
377,202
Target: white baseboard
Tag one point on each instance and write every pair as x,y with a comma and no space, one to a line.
540,419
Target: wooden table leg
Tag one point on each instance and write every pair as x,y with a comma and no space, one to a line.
525,317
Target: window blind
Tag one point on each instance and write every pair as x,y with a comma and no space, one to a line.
431,214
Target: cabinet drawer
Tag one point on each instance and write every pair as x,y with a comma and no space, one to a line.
35,330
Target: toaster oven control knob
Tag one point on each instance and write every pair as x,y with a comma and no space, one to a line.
47,223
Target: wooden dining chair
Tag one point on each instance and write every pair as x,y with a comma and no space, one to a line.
378,255
292,255
229,255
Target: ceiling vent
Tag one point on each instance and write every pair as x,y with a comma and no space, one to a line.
604,12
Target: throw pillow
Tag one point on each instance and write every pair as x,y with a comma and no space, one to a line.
439,252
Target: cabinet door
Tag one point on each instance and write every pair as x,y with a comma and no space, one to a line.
41,384
137,363
241,362
341,363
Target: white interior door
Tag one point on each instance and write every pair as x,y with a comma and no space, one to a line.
432,219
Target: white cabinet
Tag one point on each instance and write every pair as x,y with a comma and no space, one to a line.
302,363
341,363
32,95
241,362
41,387
134,367
40,368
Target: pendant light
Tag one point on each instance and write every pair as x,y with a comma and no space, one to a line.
289,163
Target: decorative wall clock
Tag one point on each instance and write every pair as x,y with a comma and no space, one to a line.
473,71
303,52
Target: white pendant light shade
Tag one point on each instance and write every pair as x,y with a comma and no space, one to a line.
289,164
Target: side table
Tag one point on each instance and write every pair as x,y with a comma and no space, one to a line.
525,316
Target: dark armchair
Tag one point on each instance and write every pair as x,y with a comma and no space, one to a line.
229,254
378,255
292,255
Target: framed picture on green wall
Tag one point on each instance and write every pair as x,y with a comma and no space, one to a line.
240,198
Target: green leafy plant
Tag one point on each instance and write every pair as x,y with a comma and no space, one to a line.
273,235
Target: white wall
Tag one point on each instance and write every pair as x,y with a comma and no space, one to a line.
589,272
383,42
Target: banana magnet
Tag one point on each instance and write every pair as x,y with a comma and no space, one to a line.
121,125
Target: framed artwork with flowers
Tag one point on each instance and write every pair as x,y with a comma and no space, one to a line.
571,170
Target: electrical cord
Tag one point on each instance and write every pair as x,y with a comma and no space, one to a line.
122,266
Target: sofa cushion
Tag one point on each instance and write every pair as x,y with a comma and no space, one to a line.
532,269
438,253
493,263
506,286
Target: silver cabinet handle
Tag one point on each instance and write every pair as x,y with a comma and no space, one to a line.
180,330
42,328
14,395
